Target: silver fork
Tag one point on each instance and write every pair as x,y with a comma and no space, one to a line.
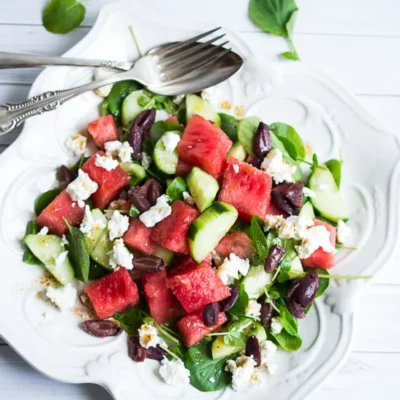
166,70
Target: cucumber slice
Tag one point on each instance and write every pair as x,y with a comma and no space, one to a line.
135,171
197,105
237,151
133,105
47,248
327,201
296,270
219,349
255,281
96,234
203,188
166,161
100,253
307,210
165,254
207,230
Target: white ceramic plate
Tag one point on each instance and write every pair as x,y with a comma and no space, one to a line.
289,92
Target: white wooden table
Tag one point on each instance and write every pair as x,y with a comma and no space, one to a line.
358,43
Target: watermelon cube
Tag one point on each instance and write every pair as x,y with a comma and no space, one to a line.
320,258
247,188
172,231
192,328
61,207
204,145
138,237
113,293
195,286
163,306
103,130
110,182
237,243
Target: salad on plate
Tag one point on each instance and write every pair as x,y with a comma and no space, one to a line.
204,237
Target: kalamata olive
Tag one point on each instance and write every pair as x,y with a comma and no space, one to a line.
254,161
267,311
230,301
101,329
275,256
123,195
140,130
67,174
253,349
137,198
262,141
156,353
210,314
280,200
294,193
304,290
295,308
152,190
135,350
149,264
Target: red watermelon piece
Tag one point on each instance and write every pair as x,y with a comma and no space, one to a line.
195,286
172,231
163,306
110,182
61,207
320,258
192,328
138,237
113,293
236,242
103,130
173,119
182,168
204,145
248,190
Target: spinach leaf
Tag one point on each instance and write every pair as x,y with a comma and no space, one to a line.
239,309
259,240
229,125
287,341
118,93
104,108
160,127
176,188
290,138
203,367
31,229
78,252
335,166
45,199
247,129
96,271
131,320
133,211
241,226
286,319
276,17
63,16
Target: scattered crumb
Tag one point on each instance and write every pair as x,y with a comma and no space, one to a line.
84,314
46,279
42,296
225,105
239,111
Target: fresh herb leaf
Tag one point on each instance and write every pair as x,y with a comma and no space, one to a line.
78,252
118,93
229,125
247,129
202,367
104,108
63,16
259,240
131,320
335,166
276,17
286,319
133,211
239,309
234,339
96,271
290,138
287,341
45,199
159,128
29,258
176,188
315,160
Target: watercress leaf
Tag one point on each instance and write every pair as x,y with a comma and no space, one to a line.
247,129
32,228
176,188
45,199
63,16
202,367
78,252
335,166
104,108
239,309
234,339
229,125
290,138
286,319
133,211
287,341
259,240
131,320
289,55
118,93
160,127
315,160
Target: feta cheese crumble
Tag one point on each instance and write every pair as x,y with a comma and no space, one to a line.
235,168
276,326
63,297
118,225
44,231
295,227
268,352
148,336
253,309
343,232
273,222
229,270
82,187
275,166
123,151
170,141
64,240
90,224
174,372
120,255
244,375
188,198
315,237
212,95
76,143
146,160
106,162
307,192
61,258
157,213
112,148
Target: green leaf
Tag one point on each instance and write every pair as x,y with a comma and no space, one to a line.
78,252
131,320
247,129
118,93
202,367
63,16
45,199
176,188
234,339
96,271
229,125
32,228
335,166
286,319
315,160
287,341
259,240
290,138
133,211
104,108
159,128
239,309
290,55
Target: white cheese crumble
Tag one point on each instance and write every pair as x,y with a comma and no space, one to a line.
229,270
212,95
82,187
276,326
64,240
90,224
112,148
157,213
61,258
295,227
174,372
275,166
103,73
253,309
115,148
235,168
244,375
268,352
315,237
188,198
170,141
178,99
307,192
118,224
273,222
120,255
146,160
63,297
343,232
125,152
106,162
148,336
44,231
76,143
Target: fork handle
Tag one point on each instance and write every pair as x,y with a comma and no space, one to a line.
18,60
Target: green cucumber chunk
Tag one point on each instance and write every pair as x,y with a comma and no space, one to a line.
255,281
166,161
32,228
237,151
307,210
101,251
47,248
196,105
96,234
296,269
165,254
207,230
133,105
203,188
135,171
327,201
